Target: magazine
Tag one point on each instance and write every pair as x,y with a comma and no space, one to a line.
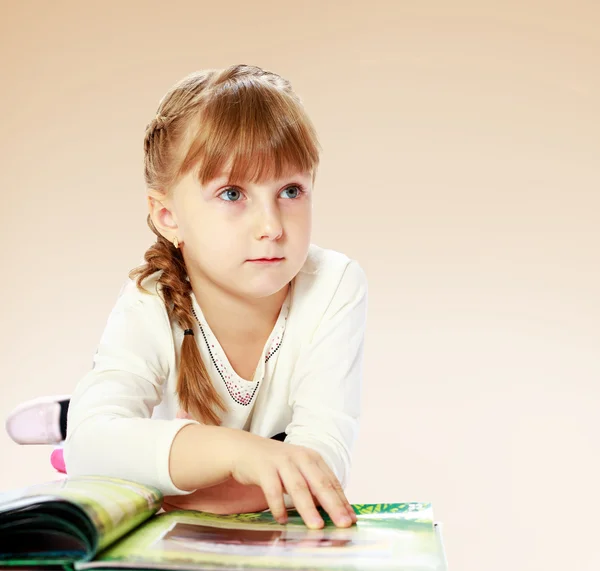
104,523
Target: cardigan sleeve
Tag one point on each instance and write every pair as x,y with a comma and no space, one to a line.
326,386
109,427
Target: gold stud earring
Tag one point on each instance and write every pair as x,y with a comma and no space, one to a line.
176,242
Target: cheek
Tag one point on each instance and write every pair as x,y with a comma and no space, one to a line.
207,228
299,220
302,231
299,230
213,244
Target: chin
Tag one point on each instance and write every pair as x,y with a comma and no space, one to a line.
260,291
266,286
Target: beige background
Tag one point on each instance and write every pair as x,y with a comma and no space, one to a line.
460,167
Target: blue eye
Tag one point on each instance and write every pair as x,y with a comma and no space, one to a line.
296,191
233,194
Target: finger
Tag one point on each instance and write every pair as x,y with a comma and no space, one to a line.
273,490
297,487
338,487
325,489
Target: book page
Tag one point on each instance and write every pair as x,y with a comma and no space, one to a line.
113,506
387,536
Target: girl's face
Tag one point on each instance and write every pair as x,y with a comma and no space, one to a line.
250,239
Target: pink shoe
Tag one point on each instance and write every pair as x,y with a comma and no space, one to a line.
39,421
57,460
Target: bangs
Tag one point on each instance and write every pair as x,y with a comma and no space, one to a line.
252,131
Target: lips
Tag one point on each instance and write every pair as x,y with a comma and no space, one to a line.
266,260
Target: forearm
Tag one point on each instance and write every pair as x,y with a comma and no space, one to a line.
228,497
200,456
238,498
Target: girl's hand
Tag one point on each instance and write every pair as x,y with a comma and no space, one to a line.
278,467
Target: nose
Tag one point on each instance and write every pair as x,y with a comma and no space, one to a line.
269,223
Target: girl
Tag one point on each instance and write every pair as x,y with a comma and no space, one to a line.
228,374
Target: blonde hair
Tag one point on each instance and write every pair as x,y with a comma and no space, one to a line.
243,117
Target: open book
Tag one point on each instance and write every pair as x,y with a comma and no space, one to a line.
99,523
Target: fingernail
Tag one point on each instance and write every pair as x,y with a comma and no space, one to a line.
316,523
345,520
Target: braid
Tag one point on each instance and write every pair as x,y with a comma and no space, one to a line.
157,128
196,392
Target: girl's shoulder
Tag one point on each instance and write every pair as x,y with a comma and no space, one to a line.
327,276
130,291
145,301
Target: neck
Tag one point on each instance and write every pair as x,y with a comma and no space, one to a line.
236,317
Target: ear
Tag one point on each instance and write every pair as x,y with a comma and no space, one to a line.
161,214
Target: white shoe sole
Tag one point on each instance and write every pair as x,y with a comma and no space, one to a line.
36,421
